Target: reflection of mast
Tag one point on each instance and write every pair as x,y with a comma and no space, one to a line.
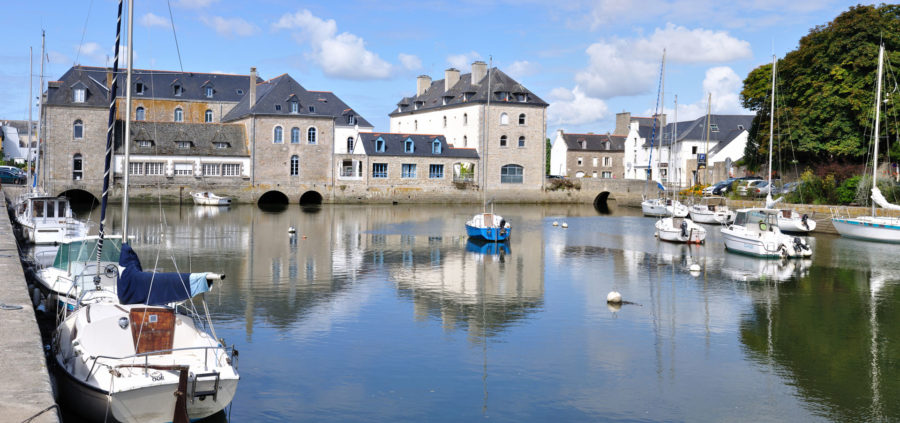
875,284
484,403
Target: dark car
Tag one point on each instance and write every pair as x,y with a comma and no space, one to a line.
8,176
722,187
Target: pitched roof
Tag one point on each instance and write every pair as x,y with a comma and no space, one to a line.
202,136
395,145
156,84
467,91
594,142
274,97
723,130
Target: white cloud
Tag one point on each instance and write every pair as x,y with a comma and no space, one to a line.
339,55
622,67
195,4
522,68
574,107
150,20
91,53
725,86
599,13
410,61
463,61
55,57
230,27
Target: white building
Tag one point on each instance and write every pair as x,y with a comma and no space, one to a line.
15,140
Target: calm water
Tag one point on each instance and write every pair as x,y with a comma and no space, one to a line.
388,313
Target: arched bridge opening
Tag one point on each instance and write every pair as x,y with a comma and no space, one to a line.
80,200
310,198
273,201
601,202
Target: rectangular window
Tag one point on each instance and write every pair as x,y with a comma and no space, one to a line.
379,170
139,88
220,145
580,161
409,170
209,92
694,150
295,107
184,169
436,171
78,95
607,161
183,144
135,168
312,109
713,127
231,169
607,175
210,169
595,160
145,143
154,168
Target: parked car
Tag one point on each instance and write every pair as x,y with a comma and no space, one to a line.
10,177
748,186
760,189
722,187
14,170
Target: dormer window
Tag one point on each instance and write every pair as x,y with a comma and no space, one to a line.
295,107
178,90
277,107
209,92
447,99
740,127
145,143
409,146
351,120
436,146
184,144
239,91
522,97
379,145
139,88
714,127
583,144
78,95
221,145
468,96
312,109
419,104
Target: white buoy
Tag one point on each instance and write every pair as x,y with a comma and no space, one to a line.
292,230
555,223
614,297
695,267
565,225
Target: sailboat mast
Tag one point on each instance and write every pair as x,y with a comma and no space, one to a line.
877,120
672,142
708,111
126,165
772,123
660,113
40,168
484,140
30,93
662,71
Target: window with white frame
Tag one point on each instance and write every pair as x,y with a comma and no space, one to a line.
184,169
77,167
295,135
521,142
78,130
210,169
144,143
311,135
349,144
139,114
208,116
295,107
154,168
278,135
596,161
209,92
221,145
607,161
594,175
379,170
504,119
78,95
135,168
436,146
436,171
409,170
179,115
580,161
607,175
295,165
231,169
184,144
351,119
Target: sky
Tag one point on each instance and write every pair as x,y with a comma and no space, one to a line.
588,59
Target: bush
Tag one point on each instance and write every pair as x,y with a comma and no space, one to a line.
694,191
849,191
563,183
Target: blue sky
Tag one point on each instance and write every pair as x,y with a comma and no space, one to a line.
588,59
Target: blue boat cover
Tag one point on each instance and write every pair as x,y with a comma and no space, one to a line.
135,286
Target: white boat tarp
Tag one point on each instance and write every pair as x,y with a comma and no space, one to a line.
770,203
879,199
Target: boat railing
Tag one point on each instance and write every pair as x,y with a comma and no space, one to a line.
230,352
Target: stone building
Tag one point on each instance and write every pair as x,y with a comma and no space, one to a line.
512,146
587,155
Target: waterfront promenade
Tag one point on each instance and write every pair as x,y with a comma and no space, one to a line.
25,389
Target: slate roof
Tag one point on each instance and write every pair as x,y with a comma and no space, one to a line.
594,142
165,134
433,97
282,90
729,127
157,84
394,146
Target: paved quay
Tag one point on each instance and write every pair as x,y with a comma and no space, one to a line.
25,390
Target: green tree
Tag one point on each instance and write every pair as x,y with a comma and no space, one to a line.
825,88
547,159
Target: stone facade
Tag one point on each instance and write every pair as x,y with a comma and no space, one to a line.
61,148
272,161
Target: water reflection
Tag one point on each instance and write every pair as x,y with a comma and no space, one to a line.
480,246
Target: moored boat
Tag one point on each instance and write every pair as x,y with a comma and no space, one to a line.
680,229
206,198
489,226
712,210
755,232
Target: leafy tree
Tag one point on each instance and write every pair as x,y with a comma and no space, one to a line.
547,159
825,89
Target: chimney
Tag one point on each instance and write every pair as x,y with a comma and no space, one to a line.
479,71
451,77
661,119
422,84
252,93
622,122
109,79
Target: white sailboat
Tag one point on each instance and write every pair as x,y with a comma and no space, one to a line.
207,198
131,356
711,209
678,228
873,227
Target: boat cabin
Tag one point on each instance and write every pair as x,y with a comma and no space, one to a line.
762,220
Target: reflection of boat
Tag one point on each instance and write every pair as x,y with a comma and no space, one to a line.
745,268
489,226
680,229
755,232
48,220
206,198
202,212
481,246
712,210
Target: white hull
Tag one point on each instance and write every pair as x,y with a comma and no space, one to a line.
795,223
760,238
711,218
881,229
660,208
667,229
209,199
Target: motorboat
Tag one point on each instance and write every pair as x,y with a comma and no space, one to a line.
793,222
206,198
76,271
488,226
48,220
662,207
680,229
712,210
755,232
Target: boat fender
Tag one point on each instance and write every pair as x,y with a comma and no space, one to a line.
805,220
684,227
763,226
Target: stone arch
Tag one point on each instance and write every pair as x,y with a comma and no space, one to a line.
272,198
601,202
310,198
80,199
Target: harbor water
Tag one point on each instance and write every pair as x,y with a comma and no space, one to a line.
390,313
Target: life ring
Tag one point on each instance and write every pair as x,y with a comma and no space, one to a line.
763,226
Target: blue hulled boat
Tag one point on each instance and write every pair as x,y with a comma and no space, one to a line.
488,226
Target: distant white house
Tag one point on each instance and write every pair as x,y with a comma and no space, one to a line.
587,155
15,140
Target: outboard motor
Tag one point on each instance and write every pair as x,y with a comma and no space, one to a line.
804,219
684,227
799,244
